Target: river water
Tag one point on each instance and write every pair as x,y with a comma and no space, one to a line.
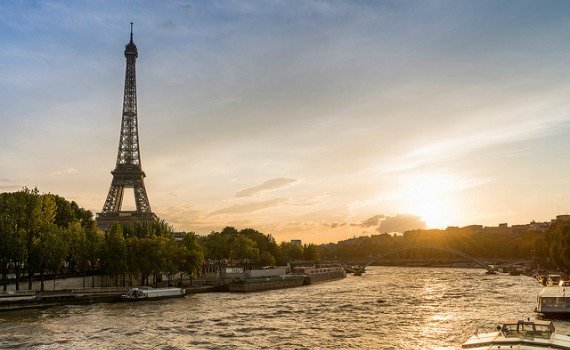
386,308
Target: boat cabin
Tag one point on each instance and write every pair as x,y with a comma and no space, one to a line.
523,329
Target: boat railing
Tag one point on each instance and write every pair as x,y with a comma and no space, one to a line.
524,329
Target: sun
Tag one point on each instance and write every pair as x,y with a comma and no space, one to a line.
433,197
436,212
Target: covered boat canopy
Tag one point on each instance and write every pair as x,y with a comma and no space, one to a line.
520,335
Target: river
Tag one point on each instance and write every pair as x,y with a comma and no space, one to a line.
386,308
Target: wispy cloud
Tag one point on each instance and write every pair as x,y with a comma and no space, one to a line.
456,147
66,171
385,223
8,185
250,207
268,185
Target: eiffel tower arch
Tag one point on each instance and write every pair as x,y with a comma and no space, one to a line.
128,171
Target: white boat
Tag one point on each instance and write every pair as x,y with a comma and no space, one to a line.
149,293
554,300
528,335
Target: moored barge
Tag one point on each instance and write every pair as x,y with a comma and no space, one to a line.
257,284
321,274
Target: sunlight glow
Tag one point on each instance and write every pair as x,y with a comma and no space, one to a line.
433,197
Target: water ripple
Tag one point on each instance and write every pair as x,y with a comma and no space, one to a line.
386,308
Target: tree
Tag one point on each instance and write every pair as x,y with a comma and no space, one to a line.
115,252
243,248
266,259
145,251
310,252
290,252
559,240
216,246
192,255
50,249
74,235
92,249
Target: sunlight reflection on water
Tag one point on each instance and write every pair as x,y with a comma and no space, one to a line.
386,308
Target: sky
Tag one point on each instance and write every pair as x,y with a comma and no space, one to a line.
313,120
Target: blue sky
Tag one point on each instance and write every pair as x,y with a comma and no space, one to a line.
303,119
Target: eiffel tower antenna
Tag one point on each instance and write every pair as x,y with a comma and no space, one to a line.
128,171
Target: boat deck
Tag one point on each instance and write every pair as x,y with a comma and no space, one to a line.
520,335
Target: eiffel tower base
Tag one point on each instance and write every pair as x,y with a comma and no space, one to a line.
106,220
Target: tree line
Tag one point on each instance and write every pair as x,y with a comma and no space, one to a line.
550,248
44,234
251,247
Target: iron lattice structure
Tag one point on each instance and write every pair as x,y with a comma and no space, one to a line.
128,172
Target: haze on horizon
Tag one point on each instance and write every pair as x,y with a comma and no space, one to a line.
316,120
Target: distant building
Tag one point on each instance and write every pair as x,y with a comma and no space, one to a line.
539,226
519,228
562,218
296,242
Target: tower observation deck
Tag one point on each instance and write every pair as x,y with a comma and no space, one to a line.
128,171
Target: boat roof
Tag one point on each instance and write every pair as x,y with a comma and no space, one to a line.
520,335
555,292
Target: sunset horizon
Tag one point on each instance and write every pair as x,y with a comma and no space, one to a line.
319,122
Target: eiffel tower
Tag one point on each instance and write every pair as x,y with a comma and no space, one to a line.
128,172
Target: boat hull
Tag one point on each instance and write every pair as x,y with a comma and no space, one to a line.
140,294
267,283
326,276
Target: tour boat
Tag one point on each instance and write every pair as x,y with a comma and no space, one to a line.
554,300
148,293
529,335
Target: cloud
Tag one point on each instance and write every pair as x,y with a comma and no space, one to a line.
66,171
250,207
188,9
268,185
373,221
169,25
454,148
8,185
383,223
400,223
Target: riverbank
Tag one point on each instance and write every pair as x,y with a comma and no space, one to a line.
30,299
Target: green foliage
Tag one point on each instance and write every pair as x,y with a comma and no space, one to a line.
190,255
251,247
559,243
141,229
40,231
291,252
476,241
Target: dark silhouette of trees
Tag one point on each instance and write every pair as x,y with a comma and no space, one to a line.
477,241
558,243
